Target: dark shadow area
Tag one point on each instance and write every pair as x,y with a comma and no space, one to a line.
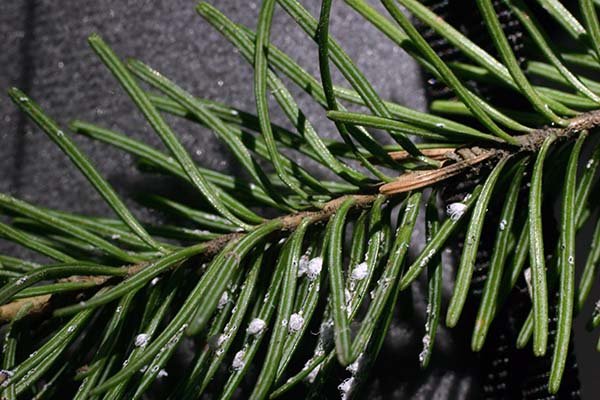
25,82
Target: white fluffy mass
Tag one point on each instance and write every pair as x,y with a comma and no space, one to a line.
221,339
302,266
355,366
503,224
142,340
314,267
5,374
256,326
527,274
223,300
162,373
313,374
238,360
346,388
455,210
296,322
360,272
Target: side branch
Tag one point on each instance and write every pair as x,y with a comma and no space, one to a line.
466,158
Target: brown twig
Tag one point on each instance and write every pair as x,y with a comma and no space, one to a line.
464,159
585,121
38,304
213,247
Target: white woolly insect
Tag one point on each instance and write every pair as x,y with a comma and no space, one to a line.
5,376
238,360
310,378
162,373
141,340
360,272
256,326
302,265
223,300
348,296
503,224
346,388
154,281
455,210
314,268
21,281
355,366
426,348
221,339
296,322
326,331
71,329
427,258
528,281
589,163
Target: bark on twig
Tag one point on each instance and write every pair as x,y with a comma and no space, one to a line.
38,304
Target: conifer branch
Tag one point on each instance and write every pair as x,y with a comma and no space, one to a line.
498,155
468,158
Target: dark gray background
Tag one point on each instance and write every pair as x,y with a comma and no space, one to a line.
44,52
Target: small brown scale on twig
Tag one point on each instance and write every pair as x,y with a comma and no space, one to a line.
454,162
